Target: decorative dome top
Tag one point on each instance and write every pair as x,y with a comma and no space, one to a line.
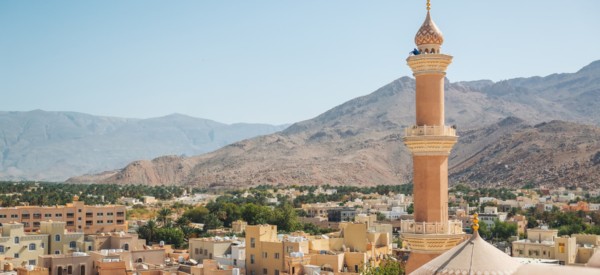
429,33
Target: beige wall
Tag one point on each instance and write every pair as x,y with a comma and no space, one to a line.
61,264
355,237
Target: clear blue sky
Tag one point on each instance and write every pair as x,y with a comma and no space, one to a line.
266,61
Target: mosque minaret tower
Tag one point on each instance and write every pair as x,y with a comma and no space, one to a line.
430,141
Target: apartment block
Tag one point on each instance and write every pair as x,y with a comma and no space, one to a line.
89,219
76,263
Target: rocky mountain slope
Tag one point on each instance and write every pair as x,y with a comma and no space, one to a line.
40,145
359,142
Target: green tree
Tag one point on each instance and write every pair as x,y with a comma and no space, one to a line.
381,217
212,222
170,235
196,214
285,218
502,231
387,266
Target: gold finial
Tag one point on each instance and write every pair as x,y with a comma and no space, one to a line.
475,222
428,5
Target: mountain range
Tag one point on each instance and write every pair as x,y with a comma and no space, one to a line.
53,146
508,131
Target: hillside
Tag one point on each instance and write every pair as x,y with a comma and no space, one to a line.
359,142
40,145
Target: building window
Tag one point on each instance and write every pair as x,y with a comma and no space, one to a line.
31,262
210,256
42,245
57,238
2,216
276,256
109,221
36,224
1,249
58,215
25,216
17,240
120,214
196,250
276,271
234,262
265,271
32,246
70,215
99,221
16,256
252,258
88,223
14,216
265,255
99,214
561,248
72,244
70,223
37,215
57,252
109,214
89,214
119,221
252,243
70,269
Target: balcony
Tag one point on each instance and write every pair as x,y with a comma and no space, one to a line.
413,227
429,131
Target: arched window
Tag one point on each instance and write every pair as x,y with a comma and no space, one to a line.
32,246
126,247
57,238
72,244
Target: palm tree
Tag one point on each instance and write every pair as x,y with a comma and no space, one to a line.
163,215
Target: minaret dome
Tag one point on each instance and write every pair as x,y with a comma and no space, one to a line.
429,38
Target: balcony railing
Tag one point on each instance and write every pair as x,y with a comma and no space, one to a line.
451,227
430,131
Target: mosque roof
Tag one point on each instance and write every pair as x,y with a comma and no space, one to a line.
594,261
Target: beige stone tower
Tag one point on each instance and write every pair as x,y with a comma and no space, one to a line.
430,141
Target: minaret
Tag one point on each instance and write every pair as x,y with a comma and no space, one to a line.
430,141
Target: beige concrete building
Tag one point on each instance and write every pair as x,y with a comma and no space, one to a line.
542,243
77,263
346,251
430,142
17,247
78,217
61,241
209,248
114,240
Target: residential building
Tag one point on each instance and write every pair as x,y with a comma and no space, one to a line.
76,263
78,217
341,214
17,247
60,240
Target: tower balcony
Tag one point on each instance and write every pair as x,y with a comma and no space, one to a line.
429,131
432,237
429,63
449,227
430,140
